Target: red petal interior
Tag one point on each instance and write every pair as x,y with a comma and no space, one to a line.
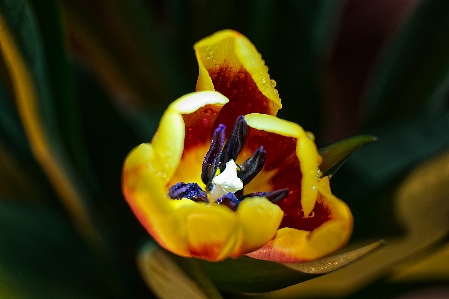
241,90
199,126
281,155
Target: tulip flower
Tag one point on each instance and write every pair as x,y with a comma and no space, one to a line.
224,177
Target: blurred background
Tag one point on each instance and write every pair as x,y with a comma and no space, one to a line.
83,82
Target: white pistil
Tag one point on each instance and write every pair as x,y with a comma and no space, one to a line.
226,182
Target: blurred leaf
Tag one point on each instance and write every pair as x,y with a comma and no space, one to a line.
421,207
402,146
21,178
255,276
335,155
304,34
25,54
414,69
109,138
120,43
167,280
42,256
432,266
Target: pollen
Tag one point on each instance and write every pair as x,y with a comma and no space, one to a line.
226,182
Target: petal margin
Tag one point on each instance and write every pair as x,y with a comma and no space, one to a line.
306,152
260,220
292,245
230,64
144,191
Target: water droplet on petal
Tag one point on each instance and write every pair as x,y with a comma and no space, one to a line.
262,62
311,215
264,80
273,83
208,111
266,68
242,75
310,136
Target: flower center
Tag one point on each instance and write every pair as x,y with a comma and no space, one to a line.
226,182
224,179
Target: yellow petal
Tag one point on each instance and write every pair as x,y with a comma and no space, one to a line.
306,153
293,245
259,221
233,48
212,231
149,168
230,64
146,194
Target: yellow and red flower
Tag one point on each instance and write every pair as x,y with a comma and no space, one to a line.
271,203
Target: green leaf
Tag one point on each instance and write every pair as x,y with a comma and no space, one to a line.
43,256
167,280
421,207
402,145
414,71
20,176
255,276
121,44
335,155
32,62
302,33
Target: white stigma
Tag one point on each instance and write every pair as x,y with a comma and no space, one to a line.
226,182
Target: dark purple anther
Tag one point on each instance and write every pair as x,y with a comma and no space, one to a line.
191,191
216,145
234,144
251,167
272,196
229,200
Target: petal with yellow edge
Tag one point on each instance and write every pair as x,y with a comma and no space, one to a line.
293,245
230,64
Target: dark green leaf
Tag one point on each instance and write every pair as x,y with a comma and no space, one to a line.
401,146
167,280
335,155
34,62
415,68
254,276
306,30
42,256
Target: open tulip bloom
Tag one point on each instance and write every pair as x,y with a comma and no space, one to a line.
224,177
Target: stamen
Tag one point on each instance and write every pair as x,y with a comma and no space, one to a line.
234,144
226,182
272,196
191,191
229,200
216,145
223,178
251,167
